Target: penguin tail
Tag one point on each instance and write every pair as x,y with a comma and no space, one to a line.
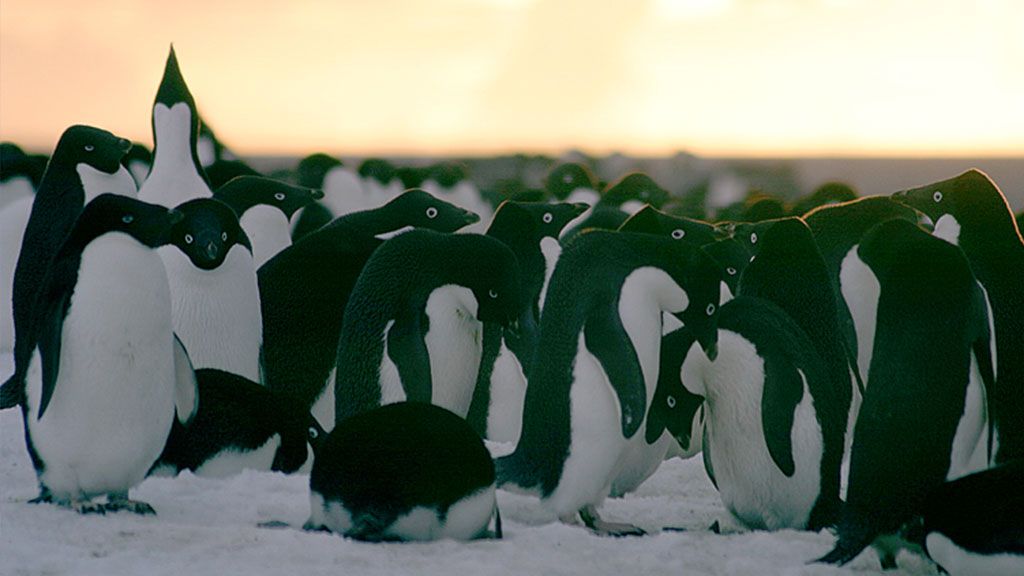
12,393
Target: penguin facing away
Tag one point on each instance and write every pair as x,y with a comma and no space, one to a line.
971,212
239,425
412,324
828,194
923,416
596,366
85,163
405,471
305,288
95,419
265,207
214,291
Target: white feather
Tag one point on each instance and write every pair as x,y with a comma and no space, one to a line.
96,182
233,461
454,344
960,562
508,393
268,231
173,178
551,250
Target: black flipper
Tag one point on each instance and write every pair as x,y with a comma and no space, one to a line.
854,537
12,393
607,340
479,406
49,343
784,388
408,351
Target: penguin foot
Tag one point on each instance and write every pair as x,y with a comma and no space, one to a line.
715,527
44,498
87,507
274,524
117,502
310,527
592,520
674,529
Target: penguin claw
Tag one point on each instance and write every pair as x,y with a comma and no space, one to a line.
133,506
593,521
89,508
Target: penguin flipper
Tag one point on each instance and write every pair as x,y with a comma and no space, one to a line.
606,339
12,393
186,388
49,344
408,351
479,406
783,390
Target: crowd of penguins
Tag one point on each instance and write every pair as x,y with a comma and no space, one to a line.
857,366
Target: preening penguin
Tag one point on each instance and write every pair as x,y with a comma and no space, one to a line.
596,366
95,417
406,471
923,416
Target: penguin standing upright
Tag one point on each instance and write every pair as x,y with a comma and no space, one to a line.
176,175
18,181
311,173
596,366
412,325
138,161
450,180
305,288
572,182
971,212
265,207
923,416
380,182
214,291
85,163
95,417
619,201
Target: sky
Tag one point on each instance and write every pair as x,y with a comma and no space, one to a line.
714,77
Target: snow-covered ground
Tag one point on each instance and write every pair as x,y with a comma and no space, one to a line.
206,526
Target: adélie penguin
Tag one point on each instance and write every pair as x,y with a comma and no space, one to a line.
305,288
596,366
96,418
265,207
85,164
923,417
412,326
18,179
618,201
405,471
971,212
311,173
214,291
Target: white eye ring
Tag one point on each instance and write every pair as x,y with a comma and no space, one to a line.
492,293
753,237
567,178
671,401
313,433
678,233
937,196
431,212
279,196
127,218
224,236
188,238
731,271
89,147
710,309
547,218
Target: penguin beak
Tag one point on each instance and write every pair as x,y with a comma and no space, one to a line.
124,145
579,208
721,232
471,217
316,194
212,250
174,216
512,325
711,351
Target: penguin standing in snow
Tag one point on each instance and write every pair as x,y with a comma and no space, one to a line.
596,366
412,325
18,180
497,407
85,163
305,288
214,291
405,471
239,425
177,175
96,418
923,416
971,212
265,207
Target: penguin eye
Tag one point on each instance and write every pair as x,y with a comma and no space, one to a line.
567,178
731,271
671,401
127,218
279,196
492,293
753,237
188,238
547,218
89,147
431,212
678,233
313,433
937,196
224,236
710,309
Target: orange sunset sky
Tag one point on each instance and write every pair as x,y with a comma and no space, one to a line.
720,77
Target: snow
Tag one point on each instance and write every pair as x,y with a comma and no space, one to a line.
211,526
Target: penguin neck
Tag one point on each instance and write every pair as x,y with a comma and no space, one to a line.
174,141
96,182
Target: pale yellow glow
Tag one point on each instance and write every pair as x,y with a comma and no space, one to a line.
758,77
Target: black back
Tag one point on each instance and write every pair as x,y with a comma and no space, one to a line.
378,169
222,171
174,90
634,186
244,192
207,233
600,218
565,178
304,288
826,194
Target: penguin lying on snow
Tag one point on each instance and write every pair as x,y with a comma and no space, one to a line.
85,163
239,425
923,416
95,417
406,471
597,366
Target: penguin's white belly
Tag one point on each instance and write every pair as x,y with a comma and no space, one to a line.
268,231
453,343
970,442
640,461
113,402
13,219
861,291
508,393
596,441
217,312
233,461
173,178
96,182
751,485
960,562
323,406
551,250
391,391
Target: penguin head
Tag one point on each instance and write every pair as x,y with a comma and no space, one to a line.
697,273
244,192
300,433
174,111
732,259
491,271
15,163
634,187
91,146
827,194
420,209
378,170
673,408
971,198
447,174
565,178
650,220
552,218
138,161
150,224
751,235
412,176
208,231
312,169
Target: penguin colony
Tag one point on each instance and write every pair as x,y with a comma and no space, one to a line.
854,364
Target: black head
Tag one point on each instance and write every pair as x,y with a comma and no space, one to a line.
244,192
636,187
14,163
447,174
92,146
886,247
412,176
699,274
379,170
421,209
311,170
550,219
148,223
650,220
299,431
208,231
565,178
750,235
673,408
731,257
760,206
173,88
972,198
222,171
492,273
827,194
